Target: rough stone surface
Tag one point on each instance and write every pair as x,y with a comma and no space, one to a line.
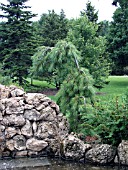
10,132
74,148
35,144
19,142
102,154
123,153
26,130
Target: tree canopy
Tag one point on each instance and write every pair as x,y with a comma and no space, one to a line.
90,12
54,64
17,40
83,34
52,28
118,39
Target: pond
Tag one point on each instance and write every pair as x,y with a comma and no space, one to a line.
43,163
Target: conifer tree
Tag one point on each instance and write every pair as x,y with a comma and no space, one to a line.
118,39
83,34
17,43
75,94
90,11
52,28
54,64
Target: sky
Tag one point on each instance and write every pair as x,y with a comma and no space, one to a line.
71,8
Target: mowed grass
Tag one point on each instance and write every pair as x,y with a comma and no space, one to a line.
38,86
117,86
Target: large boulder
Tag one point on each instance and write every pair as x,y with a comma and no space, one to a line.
74,148
101,154
122,153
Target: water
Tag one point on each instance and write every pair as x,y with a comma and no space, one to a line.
50,164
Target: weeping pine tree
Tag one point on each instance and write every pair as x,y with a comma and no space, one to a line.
17,40
75,84
55,63
75,95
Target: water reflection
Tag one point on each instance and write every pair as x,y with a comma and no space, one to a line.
50,164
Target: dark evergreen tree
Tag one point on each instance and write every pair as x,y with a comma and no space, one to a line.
118,39
91,13
103,28
52,28
18,42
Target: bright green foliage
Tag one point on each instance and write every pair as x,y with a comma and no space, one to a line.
108,120
56,63
17,42
52,28
118,39
40,64
75,93
90,12
93,57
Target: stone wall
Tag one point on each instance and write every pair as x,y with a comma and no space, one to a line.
31,124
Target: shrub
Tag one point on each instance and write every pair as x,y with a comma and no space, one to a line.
108,120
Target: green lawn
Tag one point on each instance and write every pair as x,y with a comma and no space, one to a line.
116,87
38,86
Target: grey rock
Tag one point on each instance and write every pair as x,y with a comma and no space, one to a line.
14,105
101,153
2,128
40,107
17,92
45,130
4,92
19,142
21,153
32,153
14,120
55,107
48,114
74,148
32,115
10,144
28,107
10,132
34,98
35,144
123,152
2,107
1,116
34,127
26,130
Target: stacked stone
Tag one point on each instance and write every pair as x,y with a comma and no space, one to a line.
30,124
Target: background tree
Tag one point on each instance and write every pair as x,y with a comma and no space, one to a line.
118,39
52,28
103,28
91,12
83,34
17,39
